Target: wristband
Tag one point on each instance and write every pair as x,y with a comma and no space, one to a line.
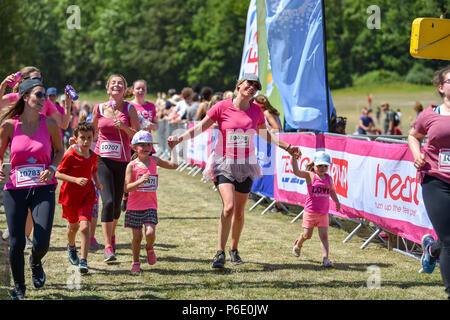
53,168
287,148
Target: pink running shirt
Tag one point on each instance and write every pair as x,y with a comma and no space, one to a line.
236,127
109,144
318,197
30,155
437,147
144,197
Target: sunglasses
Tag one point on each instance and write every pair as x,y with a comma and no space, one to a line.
40,95
254,84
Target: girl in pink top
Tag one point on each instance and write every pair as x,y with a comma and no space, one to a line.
315,214
141,182
116,121
32,183
233,164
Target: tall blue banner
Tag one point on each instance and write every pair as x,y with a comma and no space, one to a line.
265,153
296,47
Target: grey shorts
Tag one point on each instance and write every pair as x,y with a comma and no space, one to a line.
137,218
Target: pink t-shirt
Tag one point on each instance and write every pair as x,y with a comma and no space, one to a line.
47,109
144,197
437,147
145,112
317,199
29,156
111,144
236,128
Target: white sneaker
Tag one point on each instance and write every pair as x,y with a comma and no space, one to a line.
5,235
296,251
327,263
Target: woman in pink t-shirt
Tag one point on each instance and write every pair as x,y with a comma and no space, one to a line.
433,164
233,164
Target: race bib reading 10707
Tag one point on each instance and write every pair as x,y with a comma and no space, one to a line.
110,149
28,176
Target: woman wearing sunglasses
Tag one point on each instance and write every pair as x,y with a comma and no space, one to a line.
31,186
233,164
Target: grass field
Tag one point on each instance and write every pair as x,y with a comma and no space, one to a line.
186,243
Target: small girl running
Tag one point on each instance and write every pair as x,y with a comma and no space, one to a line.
315,214
141,182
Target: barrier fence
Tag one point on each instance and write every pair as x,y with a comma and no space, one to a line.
374,178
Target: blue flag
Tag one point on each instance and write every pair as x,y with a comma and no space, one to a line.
296,49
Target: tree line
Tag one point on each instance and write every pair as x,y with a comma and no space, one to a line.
175,43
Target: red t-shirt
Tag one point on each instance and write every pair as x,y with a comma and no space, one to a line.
437,147
237,128
76,165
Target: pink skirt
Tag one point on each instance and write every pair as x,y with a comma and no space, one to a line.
233,169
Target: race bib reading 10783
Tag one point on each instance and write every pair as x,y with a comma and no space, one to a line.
28,175
110,149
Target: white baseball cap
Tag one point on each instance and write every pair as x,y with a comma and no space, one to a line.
322,158
142,136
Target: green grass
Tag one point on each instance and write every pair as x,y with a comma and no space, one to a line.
186,243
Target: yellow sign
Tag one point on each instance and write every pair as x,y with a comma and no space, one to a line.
430,38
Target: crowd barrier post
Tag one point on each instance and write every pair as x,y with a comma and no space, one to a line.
298,216
261,199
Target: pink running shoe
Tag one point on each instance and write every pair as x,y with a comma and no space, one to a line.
136,267
94,244
151,256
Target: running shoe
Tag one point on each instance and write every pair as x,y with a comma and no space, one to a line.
428,262
37,274
83,266
109,254
296,250
151,256
18,292
235,258
136,267
94,244
113,243
73,255
219,260
327,263
28,243
5,234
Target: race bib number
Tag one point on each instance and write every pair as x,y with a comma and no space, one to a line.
110,149
150,185
238,140
28,176
444,160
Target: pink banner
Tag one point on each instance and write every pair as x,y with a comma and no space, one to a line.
373,180
199,148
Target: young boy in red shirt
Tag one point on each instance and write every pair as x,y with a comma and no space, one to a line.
77,195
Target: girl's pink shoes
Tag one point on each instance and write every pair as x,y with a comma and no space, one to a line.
151,256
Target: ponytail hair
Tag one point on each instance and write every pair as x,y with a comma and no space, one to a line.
16,109
128,93
310,166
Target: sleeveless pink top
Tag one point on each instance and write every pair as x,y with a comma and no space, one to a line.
30,155
111,144
317,199
144,197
